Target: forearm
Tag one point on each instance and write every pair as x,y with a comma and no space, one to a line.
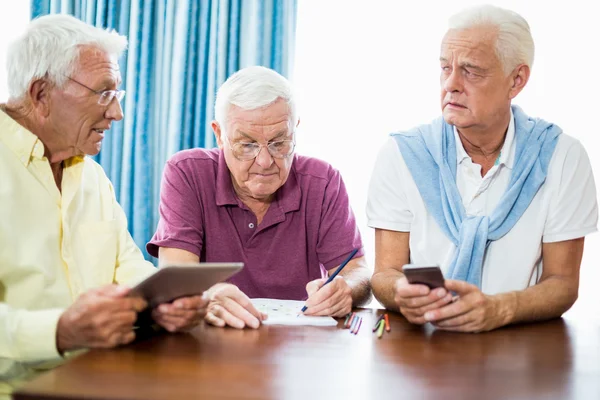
546,300
383,284
358,281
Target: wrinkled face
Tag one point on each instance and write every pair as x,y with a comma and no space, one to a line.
475,92
260,177
78,122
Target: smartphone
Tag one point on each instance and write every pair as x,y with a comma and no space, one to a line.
429,275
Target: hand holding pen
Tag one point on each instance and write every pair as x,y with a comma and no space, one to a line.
332,297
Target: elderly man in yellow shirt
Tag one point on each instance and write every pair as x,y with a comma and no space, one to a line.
65,249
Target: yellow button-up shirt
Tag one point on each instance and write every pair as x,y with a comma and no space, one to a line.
53,247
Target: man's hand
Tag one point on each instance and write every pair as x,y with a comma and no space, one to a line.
333,299
230,306
473,311
182,314
99,318
414,301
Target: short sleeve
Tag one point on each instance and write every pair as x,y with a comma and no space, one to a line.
387,205
338,233
573,209
180,224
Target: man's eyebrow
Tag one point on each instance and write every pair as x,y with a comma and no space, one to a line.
471,66
245,135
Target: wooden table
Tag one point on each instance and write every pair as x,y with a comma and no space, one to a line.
559,359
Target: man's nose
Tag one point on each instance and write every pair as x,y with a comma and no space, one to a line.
264,158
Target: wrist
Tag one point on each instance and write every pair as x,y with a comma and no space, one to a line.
506,308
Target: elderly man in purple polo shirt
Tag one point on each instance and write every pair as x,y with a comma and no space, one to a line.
287,217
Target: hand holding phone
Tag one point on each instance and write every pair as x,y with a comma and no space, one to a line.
429,275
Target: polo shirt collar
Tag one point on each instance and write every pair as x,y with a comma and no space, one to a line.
507,154
287,197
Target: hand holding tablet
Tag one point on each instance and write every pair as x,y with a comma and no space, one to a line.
174,281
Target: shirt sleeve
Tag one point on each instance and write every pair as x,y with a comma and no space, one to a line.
181,224
573,210
27,336
338,233
387,205
131,267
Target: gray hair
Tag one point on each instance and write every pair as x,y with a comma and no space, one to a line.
50,46
251,88
514,44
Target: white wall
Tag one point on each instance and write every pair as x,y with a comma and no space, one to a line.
363,71
14,16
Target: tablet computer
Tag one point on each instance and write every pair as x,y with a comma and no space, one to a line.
173,281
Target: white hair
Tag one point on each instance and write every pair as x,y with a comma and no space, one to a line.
514,44
251,88
50,46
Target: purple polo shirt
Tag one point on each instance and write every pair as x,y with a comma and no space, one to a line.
308,229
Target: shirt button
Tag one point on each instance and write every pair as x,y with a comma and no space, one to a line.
251,225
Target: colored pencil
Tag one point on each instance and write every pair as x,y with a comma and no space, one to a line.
380,330
347,325
358,327
387,323
346,320
354,322
377,323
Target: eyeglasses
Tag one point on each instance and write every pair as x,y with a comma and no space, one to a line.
246,151
106,96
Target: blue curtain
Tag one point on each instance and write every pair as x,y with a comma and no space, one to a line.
180,51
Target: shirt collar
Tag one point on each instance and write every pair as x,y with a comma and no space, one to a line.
288,196
22,142
25,144
507,153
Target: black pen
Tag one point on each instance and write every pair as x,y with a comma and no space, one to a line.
337,271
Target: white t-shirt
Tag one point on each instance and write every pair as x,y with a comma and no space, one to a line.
564,208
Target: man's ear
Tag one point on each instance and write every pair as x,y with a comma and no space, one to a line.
519,77
39,96
217,129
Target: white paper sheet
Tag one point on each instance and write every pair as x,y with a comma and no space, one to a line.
285,312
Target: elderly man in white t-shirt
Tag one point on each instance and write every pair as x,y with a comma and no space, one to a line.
499,200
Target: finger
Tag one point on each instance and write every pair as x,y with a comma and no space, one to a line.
323,294
241,299
136,304
230,319
110,322
242,313
340,309
338,299
180,315
192,302
460,328
451,310
407,290
460,287
214,320
433,296
455,322
420,311
173,324
313,286
112,290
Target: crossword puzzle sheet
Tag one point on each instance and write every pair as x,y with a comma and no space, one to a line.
287,312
